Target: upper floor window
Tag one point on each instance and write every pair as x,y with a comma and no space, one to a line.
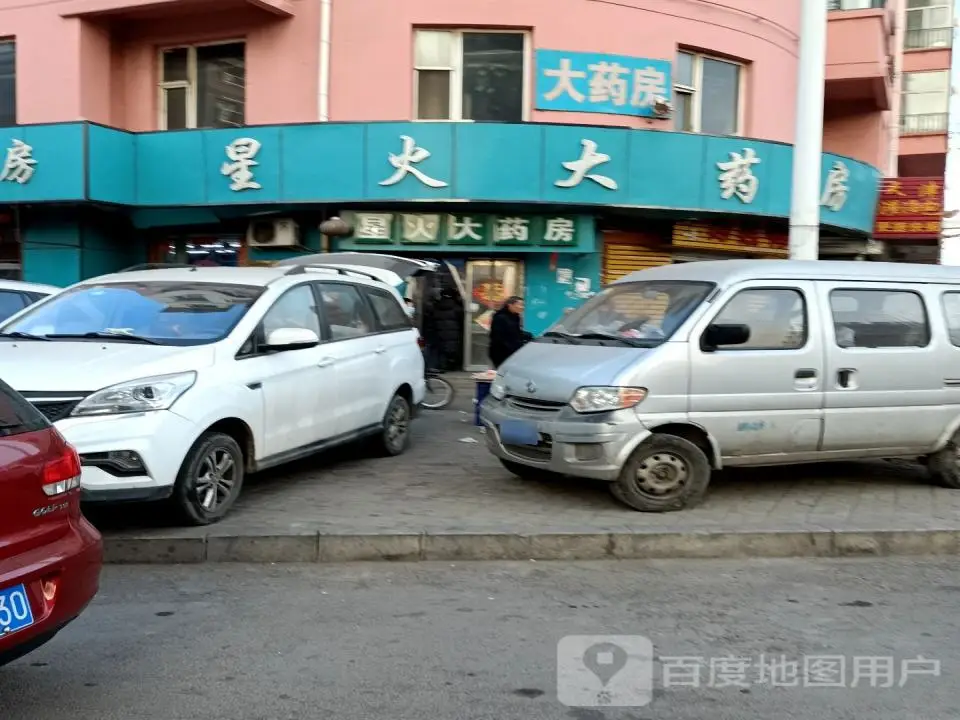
202,86
929,24
707,94
8,83
467,75
925,102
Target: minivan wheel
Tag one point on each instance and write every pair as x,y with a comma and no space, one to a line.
525,472
210,479
666,473
395,436
944,465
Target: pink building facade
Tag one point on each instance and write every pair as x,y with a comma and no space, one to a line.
673,118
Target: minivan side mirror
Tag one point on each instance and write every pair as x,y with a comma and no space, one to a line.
291,339
724,334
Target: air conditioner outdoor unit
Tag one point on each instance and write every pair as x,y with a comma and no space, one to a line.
280,232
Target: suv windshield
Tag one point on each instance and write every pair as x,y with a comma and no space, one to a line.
154,313
644,314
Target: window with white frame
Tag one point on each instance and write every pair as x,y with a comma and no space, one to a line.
929,24
202,86
707,94
470,75
926,99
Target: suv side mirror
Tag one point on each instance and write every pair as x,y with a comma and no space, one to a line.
718,335
291,339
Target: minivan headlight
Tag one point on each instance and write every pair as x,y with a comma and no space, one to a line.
135,396
606,399
498,388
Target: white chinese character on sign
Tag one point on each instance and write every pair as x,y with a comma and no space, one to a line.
565,76
918,666
512,228
648,85
737,178
19,165
778,672
405,164
607,83
242,154
559,230
374,226
876,671
824,671
421,228
680,671
462,228
580,169
835,193
729,672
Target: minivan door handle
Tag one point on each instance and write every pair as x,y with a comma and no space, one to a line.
326,362
846,379
381,350
805,379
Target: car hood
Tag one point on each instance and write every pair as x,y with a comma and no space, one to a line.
64,366
554,371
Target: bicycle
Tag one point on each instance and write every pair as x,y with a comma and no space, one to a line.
439,392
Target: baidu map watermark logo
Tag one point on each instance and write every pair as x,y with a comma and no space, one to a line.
620,671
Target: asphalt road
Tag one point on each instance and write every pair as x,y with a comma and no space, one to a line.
398,642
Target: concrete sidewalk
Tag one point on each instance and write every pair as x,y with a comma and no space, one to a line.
448,499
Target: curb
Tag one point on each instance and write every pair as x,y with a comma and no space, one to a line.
322,548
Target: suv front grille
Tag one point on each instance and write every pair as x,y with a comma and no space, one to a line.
534,404
55,406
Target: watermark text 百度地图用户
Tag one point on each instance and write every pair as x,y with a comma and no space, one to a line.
622,671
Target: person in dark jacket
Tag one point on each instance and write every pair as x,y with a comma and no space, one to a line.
506,331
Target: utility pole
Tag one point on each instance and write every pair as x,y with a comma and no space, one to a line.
808,138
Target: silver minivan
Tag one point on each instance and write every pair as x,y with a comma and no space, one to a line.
676,371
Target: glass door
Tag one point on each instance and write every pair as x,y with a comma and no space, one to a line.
489,283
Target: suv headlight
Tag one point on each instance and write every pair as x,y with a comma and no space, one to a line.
498,388
606,399
135,396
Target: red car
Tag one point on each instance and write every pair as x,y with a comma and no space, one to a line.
50,555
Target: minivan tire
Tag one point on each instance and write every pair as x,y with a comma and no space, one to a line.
664,474
944,465
394,437
525,472
213,453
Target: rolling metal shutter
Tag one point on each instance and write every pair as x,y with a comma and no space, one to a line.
624,254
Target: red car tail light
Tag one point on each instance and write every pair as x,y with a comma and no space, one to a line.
421,342
63,474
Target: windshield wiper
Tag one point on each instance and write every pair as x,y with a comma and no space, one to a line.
24,336
104,336
562,335
633,342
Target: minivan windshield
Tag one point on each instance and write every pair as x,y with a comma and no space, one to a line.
644,313
149,313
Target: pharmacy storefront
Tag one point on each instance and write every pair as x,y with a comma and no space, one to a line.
526,208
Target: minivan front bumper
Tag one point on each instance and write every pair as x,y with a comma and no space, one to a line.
587,446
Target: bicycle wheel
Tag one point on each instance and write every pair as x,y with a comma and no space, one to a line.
439,394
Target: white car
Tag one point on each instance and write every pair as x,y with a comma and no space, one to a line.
16,295
175,383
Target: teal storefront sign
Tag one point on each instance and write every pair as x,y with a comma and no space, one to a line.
379,163
598,83
465,232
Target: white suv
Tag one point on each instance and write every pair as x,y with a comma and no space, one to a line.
175,383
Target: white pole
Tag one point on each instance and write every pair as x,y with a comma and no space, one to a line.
808,140
323,75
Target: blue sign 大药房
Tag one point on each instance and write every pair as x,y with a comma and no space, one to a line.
598,83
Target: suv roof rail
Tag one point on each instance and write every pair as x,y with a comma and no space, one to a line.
158,266
301,269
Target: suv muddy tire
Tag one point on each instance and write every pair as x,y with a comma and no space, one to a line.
666,473
944,465
210,479
525,472
394,438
